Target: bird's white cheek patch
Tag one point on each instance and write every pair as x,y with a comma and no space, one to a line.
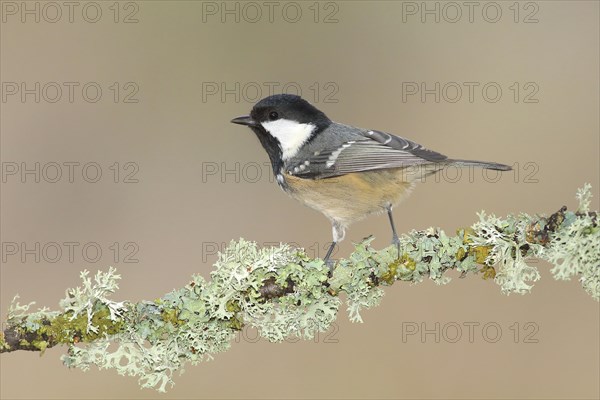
291,135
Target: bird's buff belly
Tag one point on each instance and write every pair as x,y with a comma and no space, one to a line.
350,197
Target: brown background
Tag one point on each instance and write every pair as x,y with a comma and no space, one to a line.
175,218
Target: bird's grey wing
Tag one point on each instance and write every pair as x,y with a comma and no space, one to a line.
366,151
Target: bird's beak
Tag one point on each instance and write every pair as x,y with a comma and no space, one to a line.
244,120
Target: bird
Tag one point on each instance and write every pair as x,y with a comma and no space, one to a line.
344,172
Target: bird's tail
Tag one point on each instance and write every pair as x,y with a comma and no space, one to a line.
481,164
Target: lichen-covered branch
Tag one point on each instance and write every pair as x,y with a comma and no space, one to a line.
282,292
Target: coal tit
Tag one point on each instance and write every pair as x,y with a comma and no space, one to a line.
344,172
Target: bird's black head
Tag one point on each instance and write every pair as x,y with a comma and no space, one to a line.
289,107
283,124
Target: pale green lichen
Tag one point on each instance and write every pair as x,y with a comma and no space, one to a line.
354,277
575,249
501,240
241,271
193,323
159,337
283,293
86,298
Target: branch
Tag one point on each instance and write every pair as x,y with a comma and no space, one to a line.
282,292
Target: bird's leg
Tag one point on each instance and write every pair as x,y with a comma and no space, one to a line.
329,251
395,238
338,231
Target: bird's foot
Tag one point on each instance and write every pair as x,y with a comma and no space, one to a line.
331,264
396,242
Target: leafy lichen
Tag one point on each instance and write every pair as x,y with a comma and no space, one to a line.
574,249
282,292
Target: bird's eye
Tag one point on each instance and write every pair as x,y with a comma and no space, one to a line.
273,115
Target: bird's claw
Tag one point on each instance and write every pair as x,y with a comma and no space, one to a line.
331,264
